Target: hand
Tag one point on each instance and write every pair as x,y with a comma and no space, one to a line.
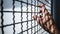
46,20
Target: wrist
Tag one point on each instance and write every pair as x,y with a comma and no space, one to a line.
54,29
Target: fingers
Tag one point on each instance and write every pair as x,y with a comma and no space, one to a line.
38,19
35,17
44,13
45,16
41,5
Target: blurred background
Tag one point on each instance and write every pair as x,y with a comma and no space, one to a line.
16,16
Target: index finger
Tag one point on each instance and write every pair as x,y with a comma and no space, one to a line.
41,5
42,8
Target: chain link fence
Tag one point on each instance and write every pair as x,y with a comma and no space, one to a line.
16,16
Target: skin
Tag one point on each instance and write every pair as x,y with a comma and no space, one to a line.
46,21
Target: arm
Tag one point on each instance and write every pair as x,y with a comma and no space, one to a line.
46,21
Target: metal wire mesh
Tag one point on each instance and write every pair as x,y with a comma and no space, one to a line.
18,18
